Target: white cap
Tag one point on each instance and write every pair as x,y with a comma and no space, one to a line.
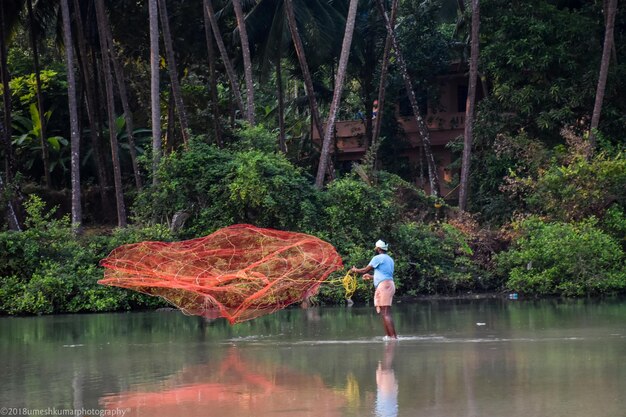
382,245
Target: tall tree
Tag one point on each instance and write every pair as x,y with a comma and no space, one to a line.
247,62
230,71
212,78
123,95
42,118
383,77
14,224
611,11
433,176
110,104
6,123
282,143
89,89
155,99
332,114
171,66
77,213
304,66
6,94
470,106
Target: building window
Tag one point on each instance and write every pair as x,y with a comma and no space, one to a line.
461,95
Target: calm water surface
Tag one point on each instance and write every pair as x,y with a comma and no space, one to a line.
454,358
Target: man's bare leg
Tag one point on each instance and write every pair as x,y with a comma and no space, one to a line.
390,330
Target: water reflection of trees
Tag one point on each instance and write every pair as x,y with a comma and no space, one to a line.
233,386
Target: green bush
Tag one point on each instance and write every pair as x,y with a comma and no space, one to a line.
569,259
434,259
47,269
219,187
580,188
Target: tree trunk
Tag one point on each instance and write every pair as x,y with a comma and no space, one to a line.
281,105
232,77
212,79
45,154
6,98
469,106
73,109
91,107
14,224
247,63
316,121
128,115
171,66
341,73
171,122
108,82
155,101
604,69
383,77
421,126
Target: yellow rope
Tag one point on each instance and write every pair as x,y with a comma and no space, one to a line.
349,282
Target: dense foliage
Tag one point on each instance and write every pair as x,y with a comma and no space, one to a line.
547,207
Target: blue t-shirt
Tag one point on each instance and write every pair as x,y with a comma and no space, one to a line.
383,268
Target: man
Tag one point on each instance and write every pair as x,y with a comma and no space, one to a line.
382,265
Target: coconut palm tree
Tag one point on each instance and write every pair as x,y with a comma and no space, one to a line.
230,71
155,101
212,78
89,88
611,11
247,63
73,109
108,81
383,77
8,18
42,119
341,73
171,66
123,95
433,176
304,66
470,105
269,31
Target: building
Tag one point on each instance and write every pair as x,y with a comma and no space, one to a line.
445,120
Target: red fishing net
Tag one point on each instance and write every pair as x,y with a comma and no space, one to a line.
240,272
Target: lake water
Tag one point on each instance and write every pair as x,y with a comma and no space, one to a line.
454,358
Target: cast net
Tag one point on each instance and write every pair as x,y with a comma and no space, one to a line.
240,272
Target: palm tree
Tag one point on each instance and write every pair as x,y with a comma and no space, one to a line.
408,85
42,118
14,224
341,72
73,109
171,66
123,95
155,102
108,81
604,68
91,107
247,63
7,9
230,72
383,77
212,78
308,80
469,107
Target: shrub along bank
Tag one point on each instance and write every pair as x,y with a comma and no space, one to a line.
47,269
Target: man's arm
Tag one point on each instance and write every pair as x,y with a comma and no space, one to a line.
365,270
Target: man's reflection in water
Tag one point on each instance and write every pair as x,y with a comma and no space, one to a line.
386,384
